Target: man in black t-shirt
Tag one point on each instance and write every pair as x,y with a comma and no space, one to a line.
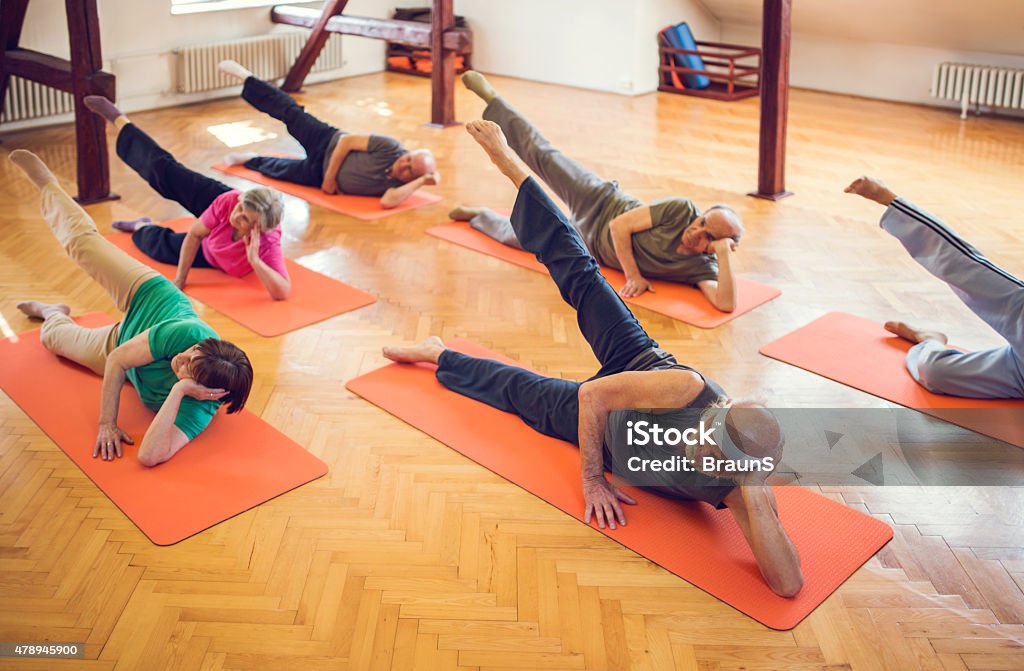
336,161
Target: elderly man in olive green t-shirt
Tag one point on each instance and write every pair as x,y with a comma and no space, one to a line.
180,368
666,240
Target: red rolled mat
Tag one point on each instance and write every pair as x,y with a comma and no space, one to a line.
314,298
237,463
696,542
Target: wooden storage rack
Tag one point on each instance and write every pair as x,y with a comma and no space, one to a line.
730,78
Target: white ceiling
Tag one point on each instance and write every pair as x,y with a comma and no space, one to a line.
995,26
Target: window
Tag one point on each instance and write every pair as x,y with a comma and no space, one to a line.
196,6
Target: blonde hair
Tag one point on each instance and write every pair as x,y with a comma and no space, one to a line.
267,203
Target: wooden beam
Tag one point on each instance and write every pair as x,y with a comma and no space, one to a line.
87,79
442,66
411,33
775,47
314,45
12,18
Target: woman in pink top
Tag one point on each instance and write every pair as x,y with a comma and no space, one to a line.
237,232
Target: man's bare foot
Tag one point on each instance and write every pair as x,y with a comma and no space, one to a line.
463,213
428,351
872,189
908,332
37,310
478,84
33,167
489,136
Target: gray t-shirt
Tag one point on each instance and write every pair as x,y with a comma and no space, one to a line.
365,173
684,486
655,249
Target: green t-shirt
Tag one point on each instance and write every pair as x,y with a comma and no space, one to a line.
655,249
173,326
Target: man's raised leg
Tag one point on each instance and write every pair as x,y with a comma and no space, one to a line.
612,331
119,274
313,134
581,190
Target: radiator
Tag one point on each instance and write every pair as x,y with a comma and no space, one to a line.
29,100
979,85
268,57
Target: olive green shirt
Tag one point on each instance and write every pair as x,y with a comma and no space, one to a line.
655,249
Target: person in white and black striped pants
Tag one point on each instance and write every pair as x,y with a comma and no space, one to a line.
996,296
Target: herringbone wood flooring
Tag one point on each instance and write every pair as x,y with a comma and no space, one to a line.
406,555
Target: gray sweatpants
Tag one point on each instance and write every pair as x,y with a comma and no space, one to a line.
993,294
582,191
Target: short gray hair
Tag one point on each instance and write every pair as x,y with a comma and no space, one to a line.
267,203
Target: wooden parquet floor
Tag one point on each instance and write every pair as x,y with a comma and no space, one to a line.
408,556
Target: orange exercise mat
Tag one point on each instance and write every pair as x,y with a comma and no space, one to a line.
239,462
366,208
678,301
696,542
860,353
314,298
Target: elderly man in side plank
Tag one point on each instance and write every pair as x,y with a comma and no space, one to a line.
668,239
335,161
635,376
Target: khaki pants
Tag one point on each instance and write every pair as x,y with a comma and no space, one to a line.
119,274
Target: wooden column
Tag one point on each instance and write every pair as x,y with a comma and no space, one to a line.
12,18
81,76
442,61
90,129
314,45
775,46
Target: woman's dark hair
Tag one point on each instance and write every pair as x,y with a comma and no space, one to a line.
224,366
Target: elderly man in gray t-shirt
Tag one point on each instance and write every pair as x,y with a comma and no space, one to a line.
336,161
667,240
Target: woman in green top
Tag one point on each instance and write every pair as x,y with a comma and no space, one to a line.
177,364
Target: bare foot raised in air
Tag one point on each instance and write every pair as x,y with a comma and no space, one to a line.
427,351
490,138
37,310
908,332
872,189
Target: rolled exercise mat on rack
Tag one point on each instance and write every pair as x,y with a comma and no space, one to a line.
238,463
678,301
314,297
692,540
860,353
366,208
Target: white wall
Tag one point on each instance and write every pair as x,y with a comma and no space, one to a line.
607,45
871,69
138,37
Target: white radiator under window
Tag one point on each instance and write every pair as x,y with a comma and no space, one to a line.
979,85
268,57
29,100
